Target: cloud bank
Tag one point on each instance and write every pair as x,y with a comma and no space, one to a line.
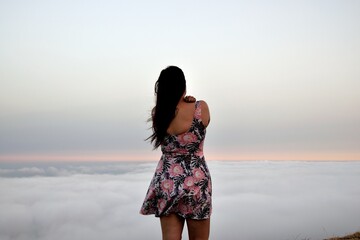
252,200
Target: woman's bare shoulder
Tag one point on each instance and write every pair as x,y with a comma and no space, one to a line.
203,103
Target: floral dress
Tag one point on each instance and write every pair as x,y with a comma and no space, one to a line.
181,183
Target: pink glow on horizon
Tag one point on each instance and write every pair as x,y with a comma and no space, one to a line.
79,157
284,155
155,155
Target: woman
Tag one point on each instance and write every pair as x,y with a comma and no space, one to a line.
181,187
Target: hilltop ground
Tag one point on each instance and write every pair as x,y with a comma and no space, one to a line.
354,236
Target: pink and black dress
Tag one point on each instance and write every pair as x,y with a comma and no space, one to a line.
182,182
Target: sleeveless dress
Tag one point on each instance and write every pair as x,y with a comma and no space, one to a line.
181,183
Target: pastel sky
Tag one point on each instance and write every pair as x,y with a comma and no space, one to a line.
282,78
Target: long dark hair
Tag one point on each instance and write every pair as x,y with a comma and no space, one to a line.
169,88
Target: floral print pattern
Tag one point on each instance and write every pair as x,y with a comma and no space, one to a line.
181,183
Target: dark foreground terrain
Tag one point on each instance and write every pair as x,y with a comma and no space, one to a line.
355,236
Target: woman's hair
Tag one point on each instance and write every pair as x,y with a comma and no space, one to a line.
169,88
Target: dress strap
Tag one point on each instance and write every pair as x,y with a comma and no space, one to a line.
197,113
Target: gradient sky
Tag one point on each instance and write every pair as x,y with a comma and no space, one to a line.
282,78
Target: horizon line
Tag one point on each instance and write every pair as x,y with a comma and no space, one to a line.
155,156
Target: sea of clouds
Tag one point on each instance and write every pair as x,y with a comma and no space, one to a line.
252,200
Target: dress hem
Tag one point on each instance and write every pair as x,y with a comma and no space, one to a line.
179,214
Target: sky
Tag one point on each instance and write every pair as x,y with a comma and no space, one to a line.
281,78
274,200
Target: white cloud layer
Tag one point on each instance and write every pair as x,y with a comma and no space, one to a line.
252,200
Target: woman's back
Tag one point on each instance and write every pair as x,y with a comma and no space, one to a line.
184,117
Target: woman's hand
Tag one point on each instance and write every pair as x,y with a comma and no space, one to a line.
189,99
